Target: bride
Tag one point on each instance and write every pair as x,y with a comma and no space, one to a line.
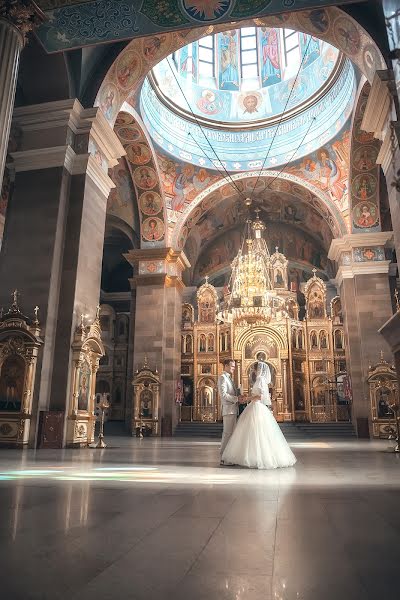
257,441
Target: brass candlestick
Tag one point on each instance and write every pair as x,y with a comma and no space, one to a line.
104,404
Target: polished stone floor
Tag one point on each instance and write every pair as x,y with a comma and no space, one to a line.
159,519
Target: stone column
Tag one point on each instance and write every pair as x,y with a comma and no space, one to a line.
54,233
16,20
363,284
158,317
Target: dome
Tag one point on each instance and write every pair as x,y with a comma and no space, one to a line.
248,92
245,75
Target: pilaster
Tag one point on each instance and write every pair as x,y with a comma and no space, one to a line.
158,316
54,233
363,283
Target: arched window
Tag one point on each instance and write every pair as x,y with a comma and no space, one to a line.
248,53
206,57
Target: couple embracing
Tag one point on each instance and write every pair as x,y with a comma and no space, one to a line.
255,439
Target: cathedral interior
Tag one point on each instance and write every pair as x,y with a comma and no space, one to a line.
183,183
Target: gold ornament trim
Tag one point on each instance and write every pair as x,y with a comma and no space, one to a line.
24,15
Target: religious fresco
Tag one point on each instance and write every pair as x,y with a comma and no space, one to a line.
330,221
122,199
244,148
297,246
318,22
181,183
72,23
144,182
364,173
223,99
328,167
275,208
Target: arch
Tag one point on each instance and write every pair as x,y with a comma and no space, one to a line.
330,24
220,190
364,172
145,176
278,337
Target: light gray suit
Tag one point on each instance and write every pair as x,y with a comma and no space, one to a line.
229,403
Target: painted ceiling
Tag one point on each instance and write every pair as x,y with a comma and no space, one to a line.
189,189
243,149
77,23
245,75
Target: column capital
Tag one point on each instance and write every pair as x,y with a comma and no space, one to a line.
379,104
366,268
352,246
86,130
64,134
24,15
158,261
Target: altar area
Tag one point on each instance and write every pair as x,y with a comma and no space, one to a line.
300,336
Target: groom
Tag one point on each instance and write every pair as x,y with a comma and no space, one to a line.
229,402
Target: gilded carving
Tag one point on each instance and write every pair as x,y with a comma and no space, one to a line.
25,15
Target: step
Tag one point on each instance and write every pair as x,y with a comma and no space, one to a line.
290,430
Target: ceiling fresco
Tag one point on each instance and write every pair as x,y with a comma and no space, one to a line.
72,23
298,247
188,188
239,150
232,91
364,173
127,73
326,168
143,168
121,202
276,209
255,187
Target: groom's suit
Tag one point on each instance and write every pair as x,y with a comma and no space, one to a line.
229,403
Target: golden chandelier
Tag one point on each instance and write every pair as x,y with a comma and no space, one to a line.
252,297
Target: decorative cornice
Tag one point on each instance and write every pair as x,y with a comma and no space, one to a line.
379,104
45,158
24,15
63,156
93,120
357,240
167,254
70,114
369,268
391,332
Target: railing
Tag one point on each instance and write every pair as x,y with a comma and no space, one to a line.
330,413
206,414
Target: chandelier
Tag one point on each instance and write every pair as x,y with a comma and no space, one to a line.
251,296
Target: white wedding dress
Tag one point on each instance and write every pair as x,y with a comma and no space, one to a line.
257,441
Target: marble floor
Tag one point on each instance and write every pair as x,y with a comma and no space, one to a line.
154,519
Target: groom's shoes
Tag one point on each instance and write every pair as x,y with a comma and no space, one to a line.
223,463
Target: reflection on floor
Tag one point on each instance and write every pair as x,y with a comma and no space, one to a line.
154,519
